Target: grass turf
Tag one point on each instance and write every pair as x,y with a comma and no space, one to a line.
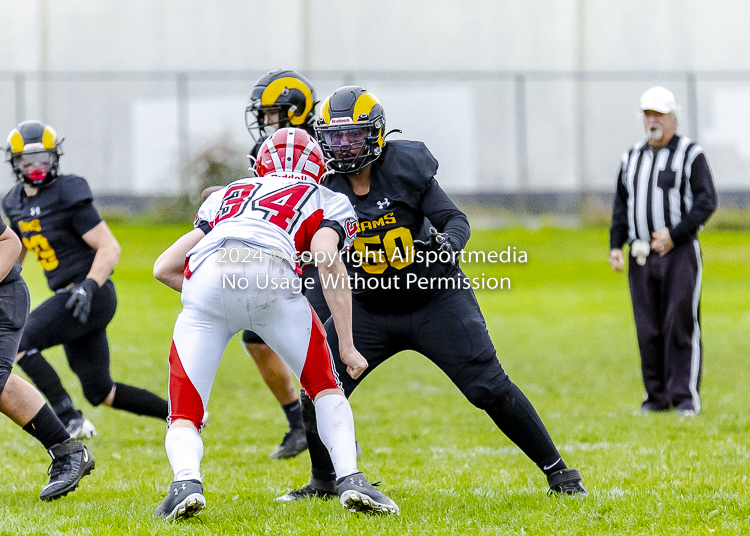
565,334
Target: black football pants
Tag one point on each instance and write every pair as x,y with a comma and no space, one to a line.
666,305
450,331
14,308
86,346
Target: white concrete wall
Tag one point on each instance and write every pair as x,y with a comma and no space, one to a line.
388,34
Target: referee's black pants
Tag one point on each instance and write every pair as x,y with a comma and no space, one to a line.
666,305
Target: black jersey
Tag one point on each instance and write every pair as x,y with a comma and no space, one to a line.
403,201
15,272
51,224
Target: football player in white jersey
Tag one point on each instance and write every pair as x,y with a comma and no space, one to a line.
241,272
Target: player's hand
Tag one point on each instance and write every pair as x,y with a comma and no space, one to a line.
616,260
354,361
438,242
81,296
662,242
208,191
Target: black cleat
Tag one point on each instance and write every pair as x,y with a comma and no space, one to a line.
71,461
316,489
566,482
358,495
185,499
293,444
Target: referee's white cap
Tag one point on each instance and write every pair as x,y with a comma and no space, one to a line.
659,99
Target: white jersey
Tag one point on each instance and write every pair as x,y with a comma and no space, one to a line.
275,214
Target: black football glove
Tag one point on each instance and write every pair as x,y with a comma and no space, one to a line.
438,242
81,296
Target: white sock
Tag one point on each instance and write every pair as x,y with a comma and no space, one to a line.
336,431
185,452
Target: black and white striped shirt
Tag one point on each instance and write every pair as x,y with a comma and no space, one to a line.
669,187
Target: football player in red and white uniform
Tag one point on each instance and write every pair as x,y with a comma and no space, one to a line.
241,272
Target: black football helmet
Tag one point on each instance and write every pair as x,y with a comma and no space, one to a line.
34,152
285,91
351,129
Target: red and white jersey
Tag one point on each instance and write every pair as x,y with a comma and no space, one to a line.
273,213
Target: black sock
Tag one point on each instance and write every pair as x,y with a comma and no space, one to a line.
44,377
139,401
46,428
517,418
322,466
293,414
552,466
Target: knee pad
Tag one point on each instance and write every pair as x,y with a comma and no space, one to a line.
484,393
309,420
96,393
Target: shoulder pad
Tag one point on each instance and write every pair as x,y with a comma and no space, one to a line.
72,190
409,161
12,198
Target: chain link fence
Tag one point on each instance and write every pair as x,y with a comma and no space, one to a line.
527,139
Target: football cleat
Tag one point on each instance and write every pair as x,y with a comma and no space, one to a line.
566,482
358,495
293,444
316,489
184,500
80,428
71,461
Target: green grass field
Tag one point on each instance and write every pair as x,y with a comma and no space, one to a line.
564,333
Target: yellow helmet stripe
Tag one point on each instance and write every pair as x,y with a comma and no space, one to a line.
325,112
274,89
364,105
49,137
15,140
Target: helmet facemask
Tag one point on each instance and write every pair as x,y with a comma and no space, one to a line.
350,147
35,167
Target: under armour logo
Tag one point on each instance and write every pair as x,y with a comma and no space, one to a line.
356,481
35,211
384,203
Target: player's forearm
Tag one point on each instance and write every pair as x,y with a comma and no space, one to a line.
173,280
9,250
339,299
170,265
104,263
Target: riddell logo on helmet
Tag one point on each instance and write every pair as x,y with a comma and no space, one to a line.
289,175
339,120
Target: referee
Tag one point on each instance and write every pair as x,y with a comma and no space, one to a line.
665,193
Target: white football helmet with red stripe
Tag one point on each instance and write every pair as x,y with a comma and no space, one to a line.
291,153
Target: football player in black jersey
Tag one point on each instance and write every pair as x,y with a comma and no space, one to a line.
23,404
279,99
400,302
55,218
